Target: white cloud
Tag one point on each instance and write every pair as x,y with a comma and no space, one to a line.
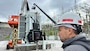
3,19
84,1
46,22
46,2
53,12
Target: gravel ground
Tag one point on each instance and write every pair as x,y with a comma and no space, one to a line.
4,43
53,49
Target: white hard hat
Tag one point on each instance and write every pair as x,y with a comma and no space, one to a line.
70,18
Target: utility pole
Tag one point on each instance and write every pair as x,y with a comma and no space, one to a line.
75,6
62,10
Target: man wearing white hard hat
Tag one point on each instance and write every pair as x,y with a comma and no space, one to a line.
70,33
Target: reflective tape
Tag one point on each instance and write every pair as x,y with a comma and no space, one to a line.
67,20
79,21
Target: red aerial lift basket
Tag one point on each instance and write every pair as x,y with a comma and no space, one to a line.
13,20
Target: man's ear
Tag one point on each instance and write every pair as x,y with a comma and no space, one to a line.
70,30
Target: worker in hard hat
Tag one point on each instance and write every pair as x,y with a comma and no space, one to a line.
70,33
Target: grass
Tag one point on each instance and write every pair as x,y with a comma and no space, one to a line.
7,37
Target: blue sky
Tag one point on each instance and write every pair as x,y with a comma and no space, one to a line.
51,7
